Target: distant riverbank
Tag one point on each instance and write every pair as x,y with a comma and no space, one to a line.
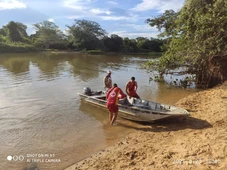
25,48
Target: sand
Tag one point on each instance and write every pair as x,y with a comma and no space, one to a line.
199,142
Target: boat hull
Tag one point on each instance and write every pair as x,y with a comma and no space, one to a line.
137,109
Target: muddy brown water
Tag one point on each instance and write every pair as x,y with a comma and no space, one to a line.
44,124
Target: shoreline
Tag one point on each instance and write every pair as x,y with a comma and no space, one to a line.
200,142
152,54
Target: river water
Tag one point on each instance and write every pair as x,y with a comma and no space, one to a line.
44,124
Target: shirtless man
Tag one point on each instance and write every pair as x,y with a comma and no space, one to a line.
107,80
131,88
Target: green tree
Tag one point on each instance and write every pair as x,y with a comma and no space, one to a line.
3,32
3,35
86,34
149,45
13,32
130,45
197,38
22,29
166,21
114,43
47,34
141,43
156,45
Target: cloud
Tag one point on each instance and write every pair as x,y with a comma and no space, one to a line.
11,4
136,30
76,4
160,5
133,35
86,9
75,17
51,19
66,32
117,18
112,3
100,11
105,18
105,15
137,27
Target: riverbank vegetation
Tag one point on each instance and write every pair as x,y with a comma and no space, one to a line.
83,35
196,37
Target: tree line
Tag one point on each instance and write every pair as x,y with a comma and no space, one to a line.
82,35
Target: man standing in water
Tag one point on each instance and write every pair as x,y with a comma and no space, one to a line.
131,88
112,96
107,80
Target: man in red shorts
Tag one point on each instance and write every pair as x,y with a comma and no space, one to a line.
131,88
112,96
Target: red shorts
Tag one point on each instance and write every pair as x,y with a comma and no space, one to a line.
133,94
112,107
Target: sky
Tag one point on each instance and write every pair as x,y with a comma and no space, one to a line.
126,18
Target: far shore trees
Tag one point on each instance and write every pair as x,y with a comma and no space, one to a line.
14,32
47,34
83,35
86,34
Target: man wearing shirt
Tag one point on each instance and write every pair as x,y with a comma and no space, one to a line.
112,96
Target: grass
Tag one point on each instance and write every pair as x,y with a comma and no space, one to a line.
95,52
17,48
155,54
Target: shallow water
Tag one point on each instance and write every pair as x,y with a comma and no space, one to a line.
42,118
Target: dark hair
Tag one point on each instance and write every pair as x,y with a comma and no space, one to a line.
132,78
115,85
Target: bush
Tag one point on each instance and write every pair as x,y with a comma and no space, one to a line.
16,48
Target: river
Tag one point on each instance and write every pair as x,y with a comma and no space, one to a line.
43,123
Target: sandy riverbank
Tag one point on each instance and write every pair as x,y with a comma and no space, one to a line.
200,142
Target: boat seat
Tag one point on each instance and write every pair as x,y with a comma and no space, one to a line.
122,101
97,92
125,102
131,100
145,103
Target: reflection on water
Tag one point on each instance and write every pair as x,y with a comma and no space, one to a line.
41,113
101,115
15,65
97,113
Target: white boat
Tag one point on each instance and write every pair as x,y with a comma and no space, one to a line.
137,109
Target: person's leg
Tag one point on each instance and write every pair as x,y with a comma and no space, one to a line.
110,109
114,118
110,116
136,95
